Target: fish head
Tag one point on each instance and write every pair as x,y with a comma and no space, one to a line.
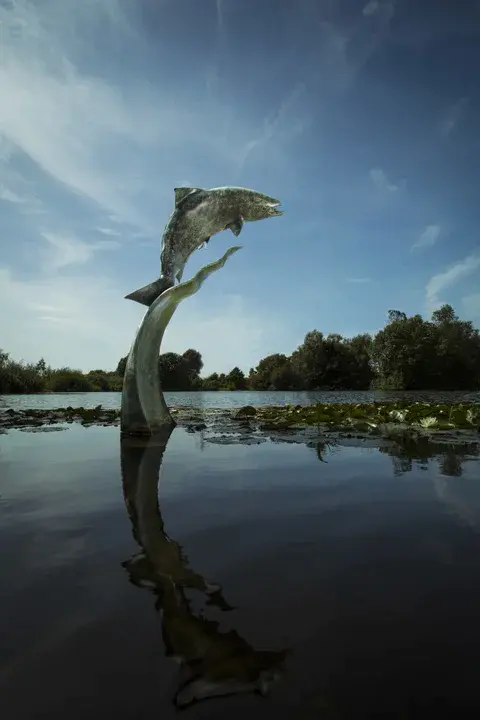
248,204
255,206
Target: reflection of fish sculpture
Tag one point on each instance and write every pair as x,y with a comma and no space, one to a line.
199,214
219,663
213,663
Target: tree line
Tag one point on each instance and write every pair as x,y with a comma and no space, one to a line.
409,353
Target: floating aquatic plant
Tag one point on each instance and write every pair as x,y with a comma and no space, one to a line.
428,422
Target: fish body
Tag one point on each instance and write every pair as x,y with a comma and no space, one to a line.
199,215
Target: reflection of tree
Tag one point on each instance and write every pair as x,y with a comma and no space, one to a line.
401,464
213,663
406,451
450,464
323,448
459,498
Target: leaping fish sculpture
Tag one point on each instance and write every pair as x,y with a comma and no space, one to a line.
199,215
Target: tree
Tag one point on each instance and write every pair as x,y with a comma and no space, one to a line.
403,352
361,371
194,361
273,372
122,363
457,356
177,372
211,382
444,315
396,316
68,380
41,367
415,354
235,380
174,372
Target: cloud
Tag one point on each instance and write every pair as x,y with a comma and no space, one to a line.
453,116
371,8
108,231
25,204
9,195
428,238
64,250
471,304
449,277
95,137
380,180
220,16
284,123
359,280
375,7
93,143
83,321
345,46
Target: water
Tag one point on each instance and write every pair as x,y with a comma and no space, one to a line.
365,566
234,399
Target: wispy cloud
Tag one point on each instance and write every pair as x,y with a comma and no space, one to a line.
371,8
96,144
220,16
64,250
386,8
345,47
380,180
26,204
64,318
441,282
453,116
108,231
96,139
10,196
428,238
285,123
359,280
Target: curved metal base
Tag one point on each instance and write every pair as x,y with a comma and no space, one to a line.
144,410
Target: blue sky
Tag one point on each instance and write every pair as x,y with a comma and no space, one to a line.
361,117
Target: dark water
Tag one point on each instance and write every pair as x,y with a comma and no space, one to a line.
366,566
235,399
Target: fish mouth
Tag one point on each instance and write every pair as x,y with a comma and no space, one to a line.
274,207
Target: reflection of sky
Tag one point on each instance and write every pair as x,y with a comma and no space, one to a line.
343,557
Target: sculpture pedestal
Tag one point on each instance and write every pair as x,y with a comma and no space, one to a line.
144,410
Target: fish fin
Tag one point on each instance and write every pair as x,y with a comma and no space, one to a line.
149,293
203,244
182,192
236,226
200,689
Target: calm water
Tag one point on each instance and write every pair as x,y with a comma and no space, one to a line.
365,566
233,399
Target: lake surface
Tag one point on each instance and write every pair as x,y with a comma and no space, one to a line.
365,566
234,399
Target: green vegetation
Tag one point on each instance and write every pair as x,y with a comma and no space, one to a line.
20,377
409,353
373,418
395,421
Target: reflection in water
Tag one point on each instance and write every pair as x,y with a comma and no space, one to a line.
213,663
461,499
323,448
405,451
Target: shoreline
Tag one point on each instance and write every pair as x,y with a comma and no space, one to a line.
366,425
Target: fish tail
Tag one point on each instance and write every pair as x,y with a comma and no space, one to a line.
149,293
